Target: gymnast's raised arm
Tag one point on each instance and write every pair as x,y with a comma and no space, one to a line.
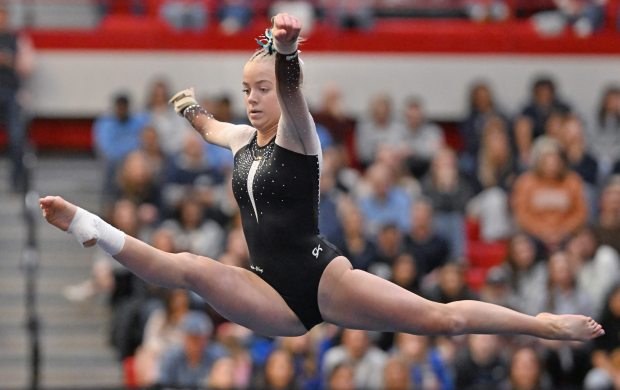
296,130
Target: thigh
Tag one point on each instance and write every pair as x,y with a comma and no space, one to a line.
244,298
357,299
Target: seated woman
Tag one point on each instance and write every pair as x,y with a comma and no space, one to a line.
549,200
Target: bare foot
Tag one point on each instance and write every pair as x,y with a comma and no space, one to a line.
57,211
571,327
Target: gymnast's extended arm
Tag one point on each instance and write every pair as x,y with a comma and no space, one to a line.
296,131
210,129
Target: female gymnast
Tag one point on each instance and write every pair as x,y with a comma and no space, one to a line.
298,279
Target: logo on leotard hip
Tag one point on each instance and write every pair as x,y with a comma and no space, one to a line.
256,268
316,251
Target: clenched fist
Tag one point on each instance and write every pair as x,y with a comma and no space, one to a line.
285,31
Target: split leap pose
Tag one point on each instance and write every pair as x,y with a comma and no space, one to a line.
297,279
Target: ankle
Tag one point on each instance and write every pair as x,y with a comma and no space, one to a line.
89,229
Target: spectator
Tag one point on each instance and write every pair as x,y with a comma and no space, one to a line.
482,107
189,365
368,361
485,10
234,15
390,245
396,375
223,109
496,173
585,16
548,200
531,123
329,223
332,115
597,267
279,371
117,134
190,171
526,372
567,363
605,373
428,248
425,365
607,229
564,295
579,158
185,14
152,151
239,364
528,277
236,252
378,129
497,288
385,202
342,377
172,130
405,273
305,360
161,332
193,232
16,65
450,285
448,192
482,365
554,125
222,375
422,140
350,14
496,166
604,131
136,181
355,244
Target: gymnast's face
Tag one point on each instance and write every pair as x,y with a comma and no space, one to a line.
259,89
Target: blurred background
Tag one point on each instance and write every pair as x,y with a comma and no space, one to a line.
471,151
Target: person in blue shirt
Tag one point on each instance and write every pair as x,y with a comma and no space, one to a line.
189,364
117,134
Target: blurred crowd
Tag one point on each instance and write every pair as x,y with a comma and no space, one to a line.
551,16
516,207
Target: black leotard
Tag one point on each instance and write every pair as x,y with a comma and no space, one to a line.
278,194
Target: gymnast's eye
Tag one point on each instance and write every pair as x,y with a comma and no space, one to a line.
246,91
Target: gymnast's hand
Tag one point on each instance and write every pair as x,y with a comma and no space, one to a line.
285,30
183,100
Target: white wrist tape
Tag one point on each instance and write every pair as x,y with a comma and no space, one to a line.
86,226
285,48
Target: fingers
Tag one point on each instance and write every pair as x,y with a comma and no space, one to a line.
286,27
189,92
46,201
45,204
183,99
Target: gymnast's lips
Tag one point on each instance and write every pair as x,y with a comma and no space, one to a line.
254,113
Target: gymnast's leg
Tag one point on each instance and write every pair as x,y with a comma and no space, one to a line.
234,292
357,299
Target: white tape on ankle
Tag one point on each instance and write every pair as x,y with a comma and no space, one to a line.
86,226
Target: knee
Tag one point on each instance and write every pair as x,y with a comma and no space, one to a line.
192,267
